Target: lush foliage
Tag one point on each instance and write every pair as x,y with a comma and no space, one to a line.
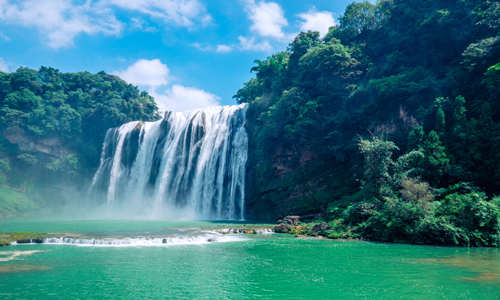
403,208
53,124
422,79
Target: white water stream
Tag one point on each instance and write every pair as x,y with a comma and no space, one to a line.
193,163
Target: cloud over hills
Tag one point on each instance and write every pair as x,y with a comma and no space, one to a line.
153,75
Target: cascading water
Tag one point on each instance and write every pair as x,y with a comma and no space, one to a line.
192,162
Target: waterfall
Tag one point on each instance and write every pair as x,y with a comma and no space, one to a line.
191,162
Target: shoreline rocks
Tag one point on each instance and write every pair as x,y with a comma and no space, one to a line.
321,227
246,230
282,228
312,228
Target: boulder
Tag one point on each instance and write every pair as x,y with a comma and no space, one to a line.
282,228
291,220
321,227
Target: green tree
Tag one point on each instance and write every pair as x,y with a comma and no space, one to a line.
328,68
472,212
358,18
300,45
378,163
436,160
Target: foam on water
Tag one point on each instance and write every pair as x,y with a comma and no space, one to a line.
167,241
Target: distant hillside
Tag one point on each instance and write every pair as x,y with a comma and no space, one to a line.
52,125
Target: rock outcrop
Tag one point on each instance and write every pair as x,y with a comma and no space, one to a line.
50,146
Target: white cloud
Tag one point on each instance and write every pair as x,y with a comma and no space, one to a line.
251,44
267,18
140,25
153,75
182,13
202,47
146,73
182,98
319,21
3,66
223,49
60,21
206,20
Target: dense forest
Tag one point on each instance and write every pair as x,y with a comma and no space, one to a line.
52,128
388,126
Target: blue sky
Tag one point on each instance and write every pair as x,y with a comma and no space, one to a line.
188,54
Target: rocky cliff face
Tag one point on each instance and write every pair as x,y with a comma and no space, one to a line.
45,168
51,146
286,179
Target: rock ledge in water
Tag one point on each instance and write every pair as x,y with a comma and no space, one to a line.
9,238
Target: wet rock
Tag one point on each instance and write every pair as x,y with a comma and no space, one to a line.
282,228
291,220
211,240
24,241
164,241
321,227
37,241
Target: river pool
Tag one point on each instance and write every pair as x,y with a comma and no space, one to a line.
189,260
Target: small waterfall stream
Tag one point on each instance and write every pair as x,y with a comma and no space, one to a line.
192,162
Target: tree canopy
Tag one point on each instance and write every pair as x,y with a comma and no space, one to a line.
65,116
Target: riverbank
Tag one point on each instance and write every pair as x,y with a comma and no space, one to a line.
336,229
314,228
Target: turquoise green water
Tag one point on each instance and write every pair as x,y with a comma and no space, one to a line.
256,267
